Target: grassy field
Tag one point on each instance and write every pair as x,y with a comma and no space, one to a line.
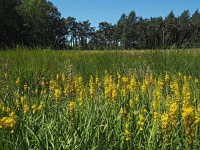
100,99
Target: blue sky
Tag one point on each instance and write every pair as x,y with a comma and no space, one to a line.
110,10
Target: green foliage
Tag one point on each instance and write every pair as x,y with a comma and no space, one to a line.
31,23
43,24
97,124
38,23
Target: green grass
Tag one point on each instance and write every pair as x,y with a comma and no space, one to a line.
44,62
97,124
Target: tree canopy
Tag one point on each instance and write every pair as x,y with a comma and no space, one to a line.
38,23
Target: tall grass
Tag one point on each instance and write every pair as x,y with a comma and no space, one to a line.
87,62
99,99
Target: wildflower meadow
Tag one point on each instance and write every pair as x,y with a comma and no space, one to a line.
100,99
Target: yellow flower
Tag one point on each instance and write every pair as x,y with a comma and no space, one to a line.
141,122
92,89
118,80
114,92
127,129
41,106
57,77
23,100
6,75
124,79
7,123
17,103
166,77
17,82
97,82
188,113
25,86
165,119
123,112
127,133
52,85
155,115
12,114
81,98
26,108
173,113
108,86
34,108
131,104
63,77
132,85
57,94
189,119
72,110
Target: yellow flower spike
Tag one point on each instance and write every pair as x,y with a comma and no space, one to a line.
23,100
133,83
57,94
25,86
6,75
118,80
188,115
107,86
78,84
197,116
155,115
127,129
118,75
97,81
165,120
173,113
63,77
26,108
12,114
127,132
7,123
180,75
41,106
137,97
72,110
166,77
92,88
123,112
57,77
124,91
81,98
144,110
43,84
143,88
17,82
131,104
5,109
17,102
125,85
52,85
141,122
34,108
114,92
65,89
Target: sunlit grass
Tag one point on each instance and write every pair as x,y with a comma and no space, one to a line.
99,100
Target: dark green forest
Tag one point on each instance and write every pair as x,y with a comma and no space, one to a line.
38,23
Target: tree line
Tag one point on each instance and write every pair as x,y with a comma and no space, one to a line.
38,23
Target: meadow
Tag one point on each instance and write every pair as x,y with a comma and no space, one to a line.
145,99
